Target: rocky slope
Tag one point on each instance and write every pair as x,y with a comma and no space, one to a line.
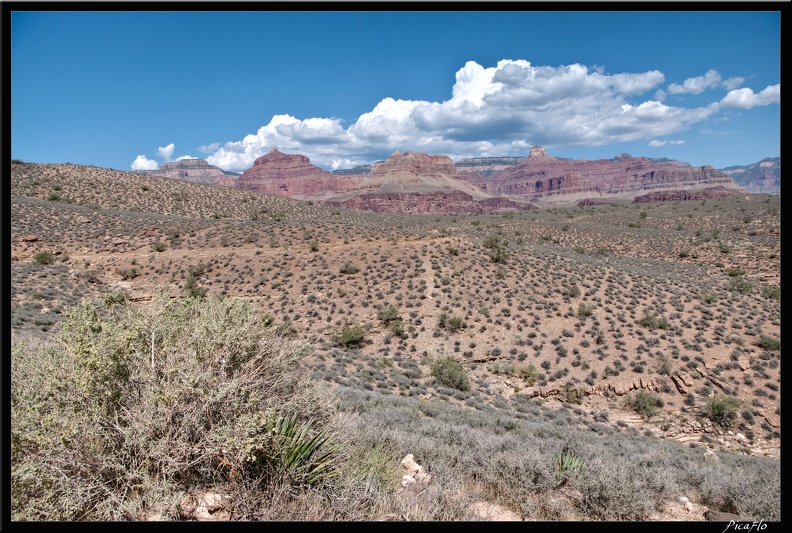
763,177
195,171
294,176
547,180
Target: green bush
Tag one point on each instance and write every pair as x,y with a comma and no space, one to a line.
768,343
451,374
350,337
158,246
653,321
722,409
645,404
130,408
44,258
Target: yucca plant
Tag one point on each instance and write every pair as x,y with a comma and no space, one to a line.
567,466
304,458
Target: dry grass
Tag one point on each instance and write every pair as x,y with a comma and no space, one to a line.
673,263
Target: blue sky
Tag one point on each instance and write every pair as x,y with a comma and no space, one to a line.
137,89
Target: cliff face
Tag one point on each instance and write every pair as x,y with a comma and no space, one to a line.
293,175
420,183
763,177
547,180
195,171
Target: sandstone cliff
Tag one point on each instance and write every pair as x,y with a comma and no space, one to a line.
195,171
421,183
546,180
293,175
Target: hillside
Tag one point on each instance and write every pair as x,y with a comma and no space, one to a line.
570,313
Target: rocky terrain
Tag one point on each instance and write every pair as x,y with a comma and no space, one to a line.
657,321
763,177
195,171
420,183
550,181
423,183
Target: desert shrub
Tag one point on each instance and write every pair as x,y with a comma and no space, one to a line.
350,336
652,321
44,258
452,324
158,246
585,309
734,272
133,407
768,343
741,285
349,268
722,409
645,404
451,374
127,273
772,293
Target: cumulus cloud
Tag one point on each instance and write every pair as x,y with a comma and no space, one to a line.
185,157
141,162
745,98
498,110
697,85
165,152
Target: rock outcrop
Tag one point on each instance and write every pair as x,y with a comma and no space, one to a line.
195,171
763,177
421,183
293,175
547,180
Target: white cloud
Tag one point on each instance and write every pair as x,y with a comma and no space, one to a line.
143,163
185,157
657,143
499,110
733,83
165,152
745,98
698,85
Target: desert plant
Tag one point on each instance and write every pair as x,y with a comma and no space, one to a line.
350,336
722,409
158,246
645,404
450,373
652,321
768,343
349,268
44,258
133,407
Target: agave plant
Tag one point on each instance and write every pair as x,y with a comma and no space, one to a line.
305,458
568,465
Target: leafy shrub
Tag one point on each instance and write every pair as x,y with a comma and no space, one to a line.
131,408
127,273
451,374
158,246
652,321
44,258
350,337
768,343
645,404
722,409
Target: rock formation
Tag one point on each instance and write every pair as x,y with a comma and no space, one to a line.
421,183
547,180
293,175
195,171
763,177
